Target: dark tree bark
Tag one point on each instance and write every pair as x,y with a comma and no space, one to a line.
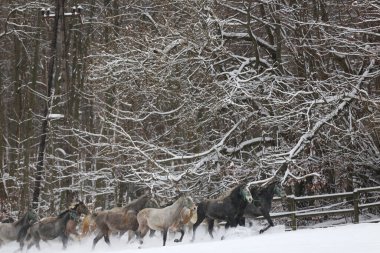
50,93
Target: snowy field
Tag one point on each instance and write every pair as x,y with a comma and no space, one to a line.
345,238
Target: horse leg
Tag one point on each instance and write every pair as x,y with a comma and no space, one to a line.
31,243
165,235
142,230
121,233
269,219
35,241
210,223
21,245
151,233
182,233
200,217
241,221
65,239
229,224
130,235
96,239
107,239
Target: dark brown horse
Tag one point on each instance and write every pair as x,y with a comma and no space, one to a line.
53,227
229,208
119,219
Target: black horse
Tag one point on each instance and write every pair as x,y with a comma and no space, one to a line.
229,208
53,227
261,205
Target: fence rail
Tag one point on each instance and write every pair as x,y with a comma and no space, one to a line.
354,196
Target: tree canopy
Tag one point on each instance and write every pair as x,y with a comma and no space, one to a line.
187,96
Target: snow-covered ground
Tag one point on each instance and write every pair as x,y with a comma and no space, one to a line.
345,238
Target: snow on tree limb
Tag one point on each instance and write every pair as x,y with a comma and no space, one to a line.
308,136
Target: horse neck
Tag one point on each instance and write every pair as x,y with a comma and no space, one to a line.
137,205
269,191
75,209
68,217
21,221
236,197
65,216
263,197
176,208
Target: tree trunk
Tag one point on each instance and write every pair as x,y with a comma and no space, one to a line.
50,90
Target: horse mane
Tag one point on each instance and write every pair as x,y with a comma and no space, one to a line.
231,192
63,213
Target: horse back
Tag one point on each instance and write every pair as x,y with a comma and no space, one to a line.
110,220
156,218
48,219
216,209
8,231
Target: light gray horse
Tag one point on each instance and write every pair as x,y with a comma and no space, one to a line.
164,218
11,231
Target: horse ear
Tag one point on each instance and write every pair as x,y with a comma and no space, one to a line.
152,193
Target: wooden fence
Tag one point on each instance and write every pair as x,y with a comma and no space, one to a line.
355,199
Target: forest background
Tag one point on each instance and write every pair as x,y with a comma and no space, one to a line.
185,96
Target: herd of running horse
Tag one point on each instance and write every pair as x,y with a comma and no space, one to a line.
142,216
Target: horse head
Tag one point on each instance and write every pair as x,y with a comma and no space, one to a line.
31,217
189,203
80,208
245,193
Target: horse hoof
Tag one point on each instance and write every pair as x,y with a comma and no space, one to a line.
177,240
261,231
222,238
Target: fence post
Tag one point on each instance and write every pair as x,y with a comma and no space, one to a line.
292,204
356,205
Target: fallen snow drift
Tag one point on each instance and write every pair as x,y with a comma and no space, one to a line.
346,238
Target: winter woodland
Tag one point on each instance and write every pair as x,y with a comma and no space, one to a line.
187,96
